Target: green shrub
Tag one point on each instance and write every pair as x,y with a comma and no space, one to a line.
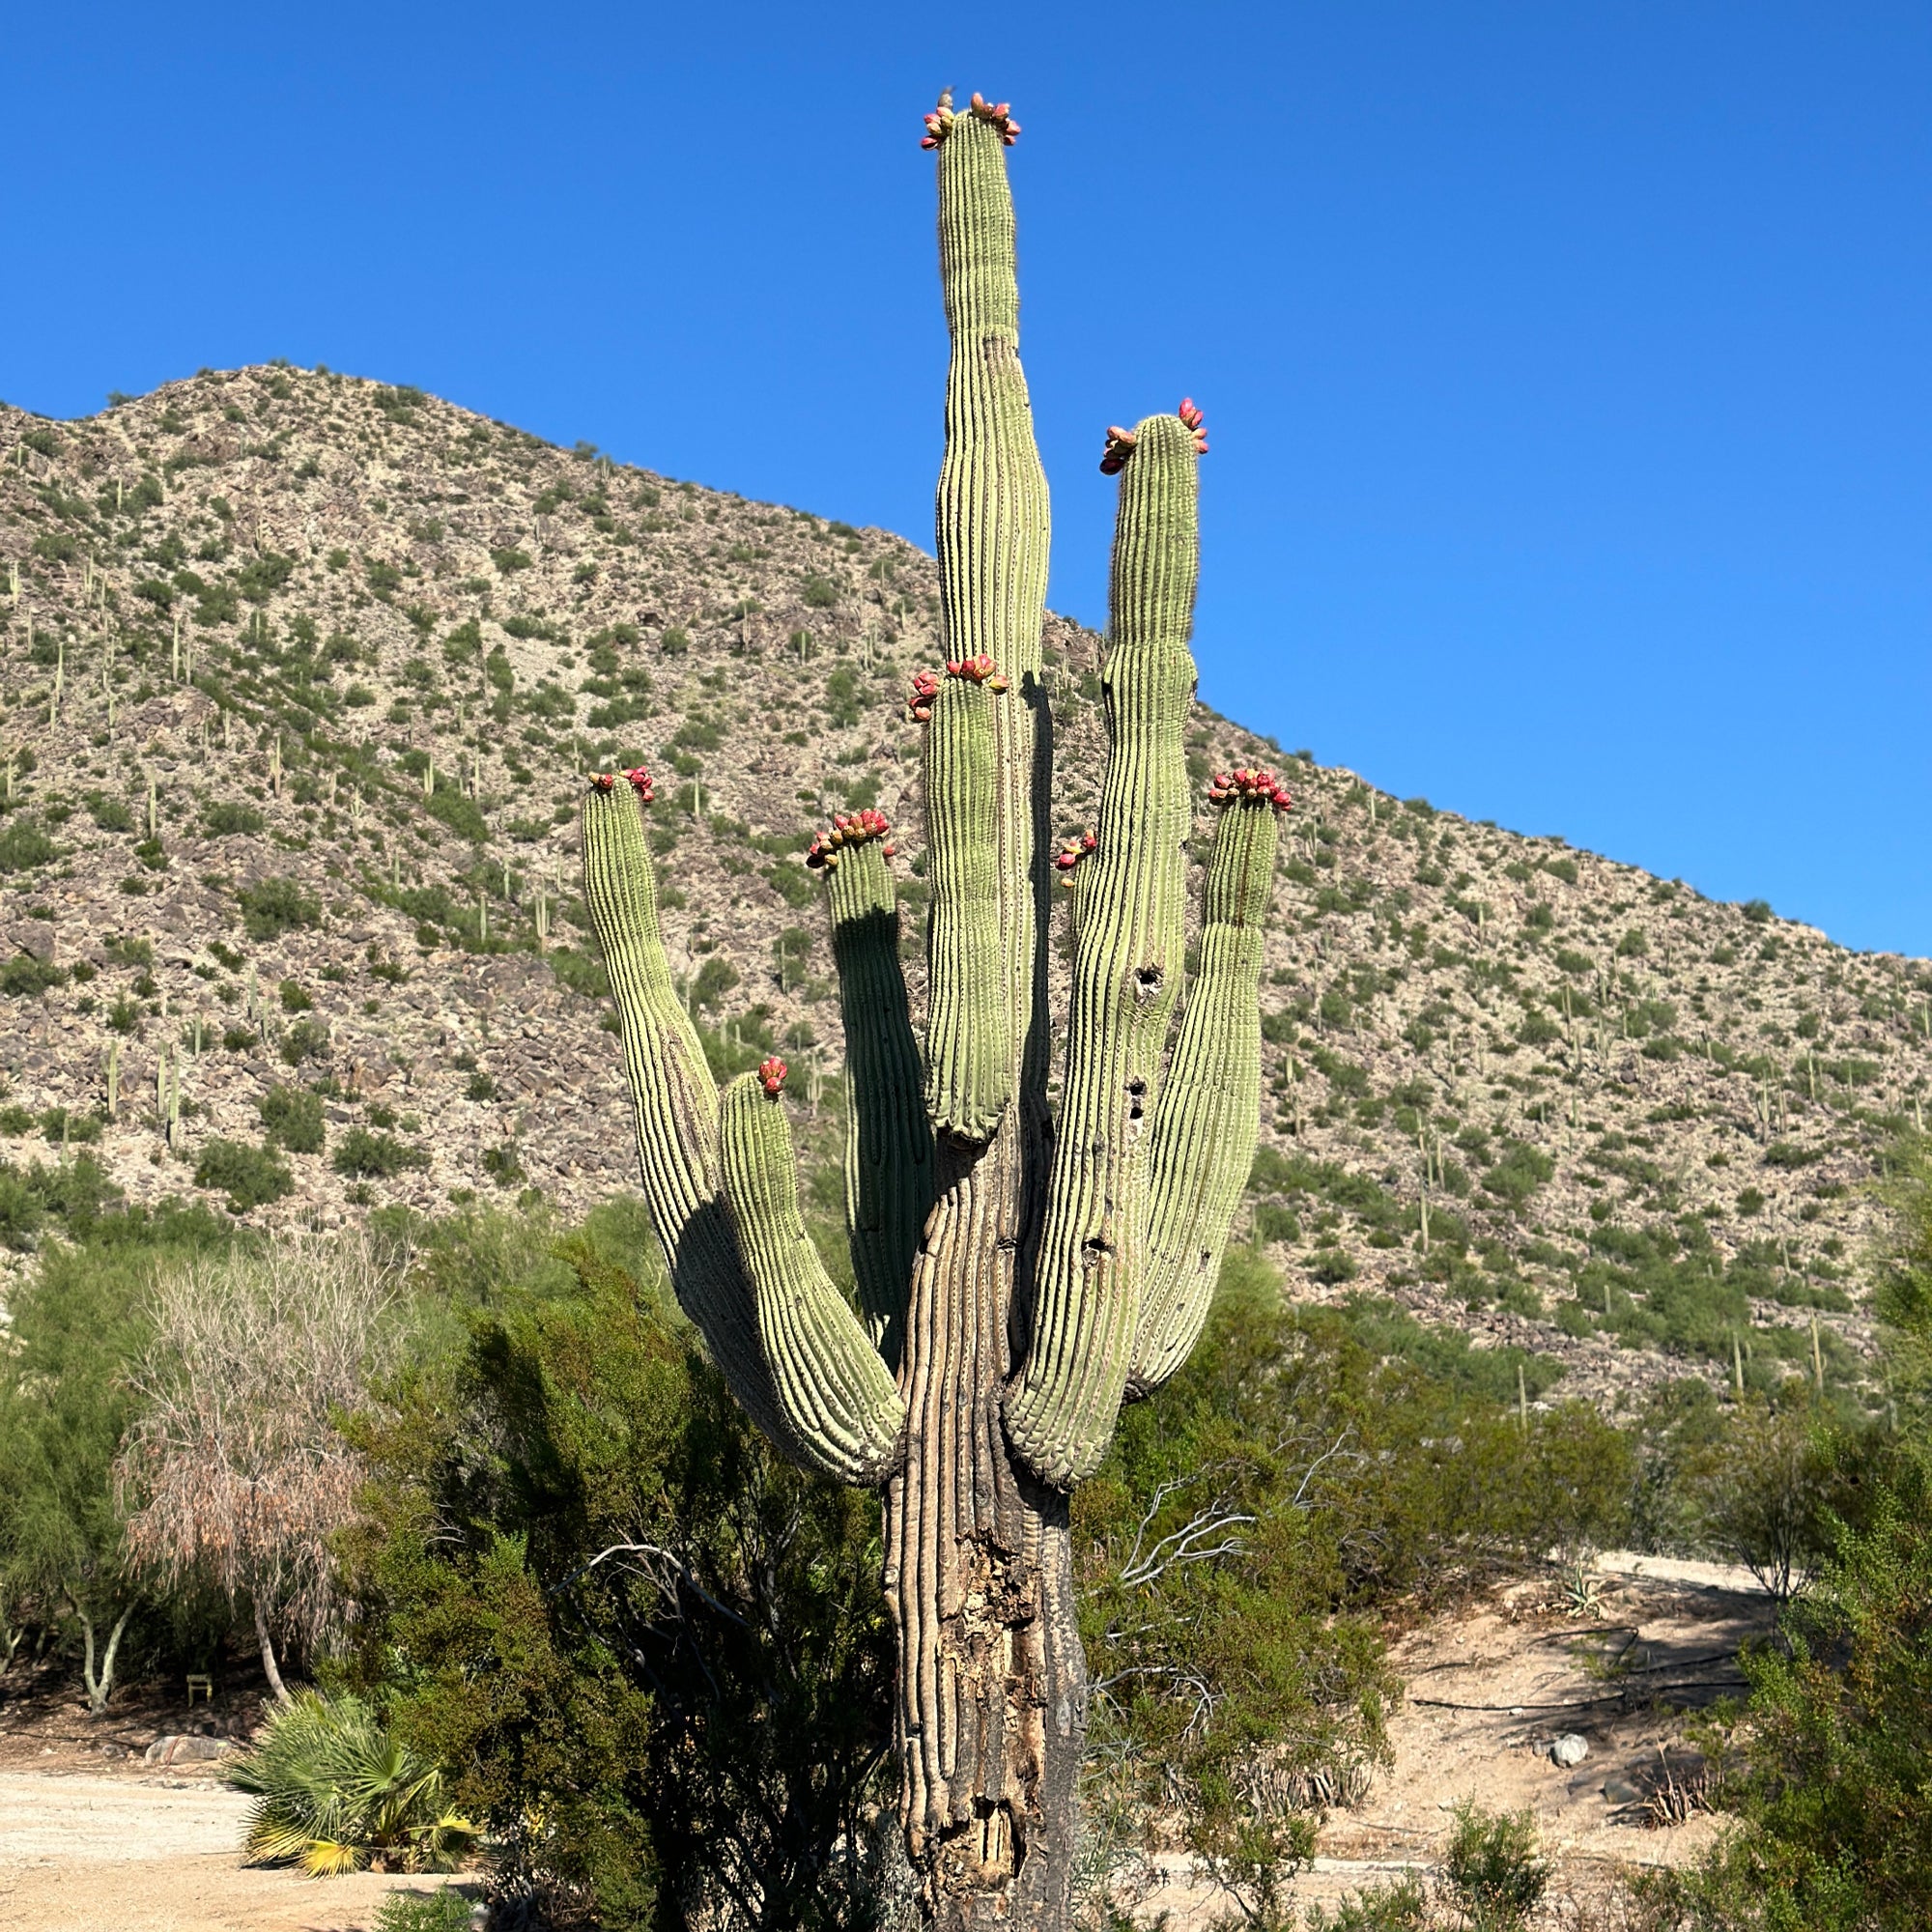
276,906
307,1039
444,1910
251,1176
459,811
23,976
735,1722
107,812
23,846
335,1792
228,818
368,1157
1518,1173
292,1119
1491,1869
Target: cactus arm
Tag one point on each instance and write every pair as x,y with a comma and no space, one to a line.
1061,1406
969,1056
836,1395
992,528
673,1099
889,1172
1204,1129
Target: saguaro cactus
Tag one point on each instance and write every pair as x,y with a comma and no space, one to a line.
1015,1284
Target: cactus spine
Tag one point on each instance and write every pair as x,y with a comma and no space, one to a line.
1012,1290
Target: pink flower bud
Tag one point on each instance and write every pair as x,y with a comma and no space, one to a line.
772,1075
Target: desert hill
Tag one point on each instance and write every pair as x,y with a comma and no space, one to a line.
301,675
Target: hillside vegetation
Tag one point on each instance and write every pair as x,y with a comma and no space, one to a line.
300,676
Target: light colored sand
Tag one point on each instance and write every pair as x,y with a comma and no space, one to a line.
85,1854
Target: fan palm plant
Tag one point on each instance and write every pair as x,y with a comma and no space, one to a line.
335,1792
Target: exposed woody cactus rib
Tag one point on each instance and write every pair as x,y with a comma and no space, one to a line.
1126,976
889,1172
673,1099
836,1395
1206,1126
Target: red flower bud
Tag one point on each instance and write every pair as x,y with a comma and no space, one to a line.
602,782
772,1075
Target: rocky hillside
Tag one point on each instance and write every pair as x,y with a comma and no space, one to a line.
301,675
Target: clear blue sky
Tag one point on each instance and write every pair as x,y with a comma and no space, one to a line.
1567,368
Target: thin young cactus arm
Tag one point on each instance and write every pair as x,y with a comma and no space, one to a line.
888,1168
673,1099
969,1038
836,1395
1062,1405
1204,1129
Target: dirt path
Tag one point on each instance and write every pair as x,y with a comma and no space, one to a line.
143,1854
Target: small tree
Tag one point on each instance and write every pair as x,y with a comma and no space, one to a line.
63,1404
233,1462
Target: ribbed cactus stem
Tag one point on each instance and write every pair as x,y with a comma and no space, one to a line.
889,1172
835,1392
674,1103
969,1056
1203,1141
1128,965
992,527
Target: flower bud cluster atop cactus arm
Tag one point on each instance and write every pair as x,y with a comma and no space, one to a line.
836,1395
640,783
1250,786
996,116
1194,423
674,1100
889,1151
847,833
918,700
978,670
1204,1129
1128,964
772,1077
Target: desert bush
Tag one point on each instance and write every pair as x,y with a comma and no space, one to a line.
444,1910
589,1584
249,1177
368,1157
229,818
336,1791
276,906
292,1119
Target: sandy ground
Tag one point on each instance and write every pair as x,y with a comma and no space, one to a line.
1490,1691
107,1854
92,1839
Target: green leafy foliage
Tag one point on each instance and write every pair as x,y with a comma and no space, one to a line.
367,1157
276,906
251,1176
590,1586
1251,1517
292,1119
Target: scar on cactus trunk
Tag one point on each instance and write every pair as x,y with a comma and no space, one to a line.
1017,1281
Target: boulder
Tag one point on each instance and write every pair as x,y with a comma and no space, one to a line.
1569,1751
176,1749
